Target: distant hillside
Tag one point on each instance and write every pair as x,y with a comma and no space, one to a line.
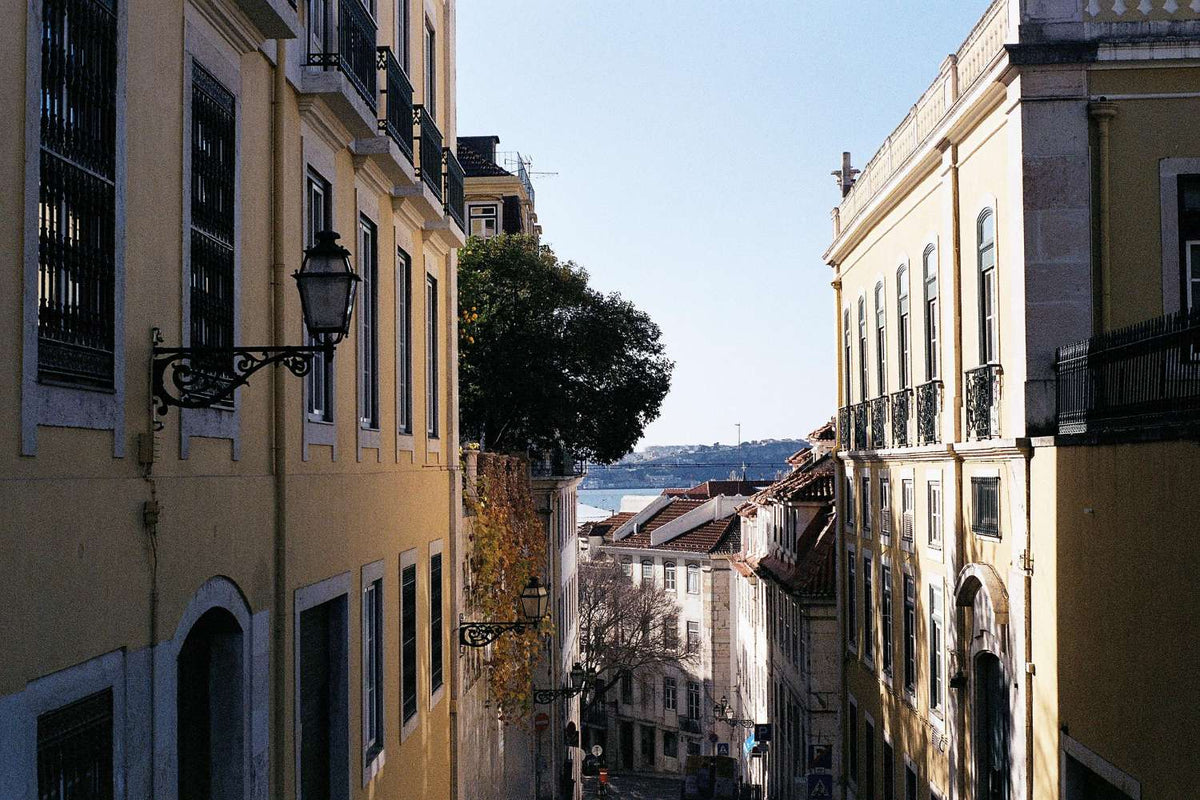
665,466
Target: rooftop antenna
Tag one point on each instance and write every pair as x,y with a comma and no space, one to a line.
846,175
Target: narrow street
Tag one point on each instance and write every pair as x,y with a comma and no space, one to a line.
635,787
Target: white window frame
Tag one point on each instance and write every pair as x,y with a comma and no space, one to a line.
404,349
886,589
484,213
436,548
937,620
669,576
693,635
908,511
646,573
935,511
373,669
885,505
868,611
409,559
693,578
369,416
433,346
865,499
670,694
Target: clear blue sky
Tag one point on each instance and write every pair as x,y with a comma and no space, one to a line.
693,141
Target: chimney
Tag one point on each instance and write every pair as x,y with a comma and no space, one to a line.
846,175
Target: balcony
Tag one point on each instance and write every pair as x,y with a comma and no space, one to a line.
929,413
901,415
1133,379
341,67
843,428
556,463
983,402
428,141
397,92
858,422
879,419
454,193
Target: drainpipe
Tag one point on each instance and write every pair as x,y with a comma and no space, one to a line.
279,616
1027,569
839,541
1104,113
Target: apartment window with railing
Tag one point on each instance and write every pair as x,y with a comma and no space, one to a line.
320,377
934,497
868,610
368,324
211,262
430,98
903,328
75,750
936,649
932,351
864,389
431,356
910,634
669,576
77,194
985,506
402,47
880,341
907,503
885,508
846,360
885,616
866,505
404,422
986,257
693,700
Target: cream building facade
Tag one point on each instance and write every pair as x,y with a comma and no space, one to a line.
1012,272
252,600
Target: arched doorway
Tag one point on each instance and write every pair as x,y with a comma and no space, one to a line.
991,740
210,709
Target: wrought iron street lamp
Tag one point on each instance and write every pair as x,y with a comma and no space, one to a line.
534,603
580,680
723,712
205,376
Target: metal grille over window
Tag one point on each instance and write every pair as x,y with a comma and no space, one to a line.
212,234
985,506
77,205
75,750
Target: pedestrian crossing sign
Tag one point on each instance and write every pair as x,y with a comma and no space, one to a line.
820,787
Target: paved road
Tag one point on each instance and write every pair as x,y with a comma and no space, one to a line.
635,787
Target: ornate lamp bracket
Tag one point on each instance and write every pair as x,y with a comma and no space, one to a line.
481,634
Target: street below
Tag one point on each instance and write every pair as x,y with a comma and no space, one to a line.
635,787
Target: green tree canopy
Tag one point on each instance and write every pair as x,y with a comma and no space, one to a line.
546,361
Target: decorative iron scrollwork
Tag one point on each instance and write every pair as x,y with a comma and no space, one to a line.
545,697
481,634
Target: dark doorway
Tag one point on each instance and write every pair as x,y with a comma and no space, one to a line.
648,733
211,710
991,728
626,744
323,722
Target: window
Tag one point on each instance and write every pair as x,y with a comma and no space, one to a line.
910,634
851,508
934,492
323,757
403,342
868,611
932,354
669,692
484,220
368,327
626,688
211,273
671,632
864,390
866,505
902,332
408,641
402,17
670,744
693,747
868,781
669,575
910,782
986,233
693,697
907,501
648,735
1189,239
936,647
430,69
693,636
647,571
880,340
885,507
431,356
693,578
852,742
885,614
889,771
846,363
320,376
319,26
985,506
75,749
851,603
435,622
77,194
372,669
627,565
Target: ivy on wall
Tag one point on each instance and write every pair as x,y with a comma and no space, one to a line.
509,547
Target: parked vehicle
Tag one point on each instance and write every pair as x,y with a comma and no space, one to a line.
710,778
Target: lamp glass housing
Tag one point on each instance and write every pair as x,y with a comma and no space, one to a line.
534,601
327,285
577,676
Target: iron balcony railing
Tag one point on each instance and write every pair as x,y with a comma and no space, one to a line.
354,51
556,463
397,119
929,408
429,149
983,402
879,420
901,414
858,415
843,428
1143,375
455,193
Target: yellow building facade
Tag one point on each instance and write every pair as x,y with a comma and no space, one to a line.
1014,277
253,599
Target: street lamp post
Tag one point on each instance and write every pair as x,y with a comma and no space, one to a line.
723,712
534,604
580,680
205,376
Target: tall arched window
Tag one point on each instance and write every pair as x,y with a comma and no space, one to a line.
863,373
902,330
988,339
849,383
880,340
932,351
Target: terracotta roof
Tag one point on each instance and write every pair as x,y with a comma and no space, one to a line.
813,574
811,482
476,161
606,526
710,489
825,433
715,536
